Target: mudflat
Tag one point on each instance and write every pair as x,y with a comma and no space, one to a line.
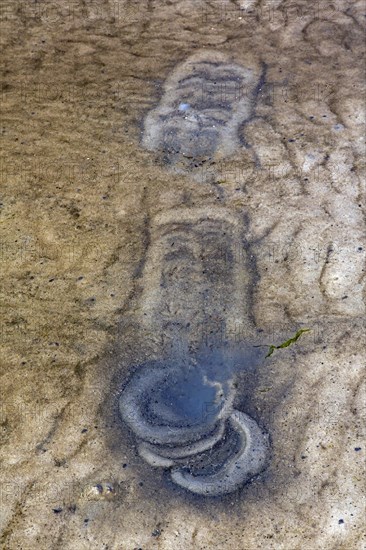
177,177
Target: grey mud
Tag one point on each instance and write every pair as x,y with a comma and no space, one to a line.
185,406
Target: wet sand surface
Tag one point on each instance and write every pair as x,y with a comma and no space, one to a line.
81,201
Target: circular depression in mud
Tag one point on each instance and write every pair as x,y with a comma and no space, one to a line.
183,419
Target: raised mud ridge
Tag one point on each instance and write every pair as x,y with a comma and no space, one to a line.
205,101
181,410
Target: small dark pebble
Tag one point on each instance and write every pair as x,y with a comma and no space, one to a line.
357,448
86,520
340,521
84,430
57,510
124,465
156,533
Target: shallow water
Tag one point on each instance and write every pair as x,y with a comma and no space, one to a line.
120,247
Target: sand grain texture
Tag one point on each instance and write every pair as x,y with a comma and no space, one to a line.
79,195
